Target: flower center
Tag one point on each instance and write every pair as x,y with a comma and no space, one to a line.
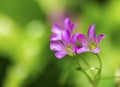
70,51
69,48
92,45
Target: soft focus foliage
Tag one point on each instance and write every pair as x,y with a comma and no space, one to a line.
25,56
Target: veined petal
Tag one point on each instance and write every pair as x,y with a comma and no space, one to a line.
56,29
99,38
74,38
66,37
96,50
56,46
55,37
82,39
82,50
92,33
60,54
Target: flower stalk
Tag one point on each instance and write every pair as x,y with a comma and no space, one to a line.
89,78
98,76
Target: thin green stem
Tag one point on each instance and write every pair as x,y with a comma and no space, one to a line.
84,60
98,76
89,78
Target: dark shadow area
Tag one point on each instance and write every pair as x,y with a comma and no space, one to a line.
102,2
4,64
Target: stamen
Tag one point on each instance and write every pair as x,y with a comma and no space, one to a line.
92,45
69,48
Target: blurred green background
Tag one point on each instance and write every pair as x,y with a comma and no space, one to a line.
25,57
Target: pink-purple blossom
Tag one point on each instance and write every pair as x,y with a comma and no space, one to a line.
63,41
67,46
57,29
90,43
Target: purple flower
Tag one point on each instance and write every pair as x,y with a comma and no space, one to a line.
67,46
89,44
57,29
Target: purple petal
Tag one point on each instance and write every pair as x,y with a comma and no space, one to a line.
73,26
55,37
74,38
82,39
56,29
77,48
82,50
56,46
68,25
66,37
92,33
99,38
60,54
96,50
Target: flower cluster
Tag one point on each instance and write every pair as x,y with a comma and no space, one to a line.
63,41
